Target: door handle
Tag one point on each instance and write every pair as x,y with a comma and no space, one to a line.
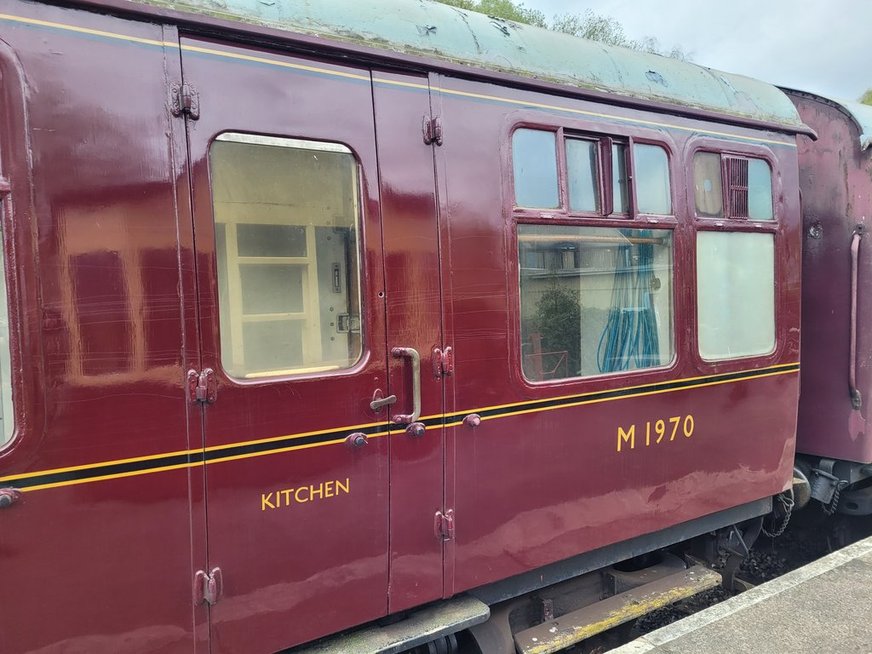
413,356
856,397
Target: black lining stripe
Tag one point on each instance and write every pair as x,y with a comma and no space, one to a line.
626,392
109,469
261,448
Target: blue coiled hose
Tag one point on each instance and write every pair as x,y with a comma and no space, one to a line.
630,335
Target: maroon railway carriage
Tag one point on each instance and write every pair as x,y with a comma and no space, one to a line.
300,332
835,178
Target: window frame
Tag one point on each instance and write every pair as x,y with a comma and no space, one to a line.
517,215
307,372
776,226
725,154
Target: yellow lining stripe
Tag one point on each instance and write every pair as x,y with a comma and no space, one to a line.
88,31
776,371
336,73
638,121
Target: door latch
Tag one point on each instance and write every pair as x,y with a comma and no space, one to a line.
202,386
444,524
443,362
208,586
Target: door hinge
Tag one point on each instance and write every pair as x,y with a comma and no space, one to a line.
444,524
202,386
185,101
208,586
432,128
443,362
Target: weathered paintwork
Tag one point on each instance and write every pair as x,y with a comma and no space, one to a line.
130,487
423,27
836,183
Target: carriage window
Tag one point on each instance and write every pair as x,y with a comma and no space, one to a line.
707,187
286,247
759,190
594,300
736,294
7,417
652,179
620,183
582,173
748,183
534,158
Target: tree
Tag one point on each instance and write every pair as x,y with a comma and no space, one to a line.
502,9
866,98
588,25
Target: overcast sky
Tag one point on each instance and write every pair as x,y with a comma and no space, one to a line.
823,46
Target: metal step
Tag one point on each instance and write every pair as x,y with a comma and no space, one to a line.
574,627
418,628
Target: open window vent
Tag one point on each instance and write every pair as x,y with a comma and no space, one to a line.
737,180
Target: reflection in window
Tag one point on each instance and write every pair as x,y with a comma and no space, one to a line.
286,241
594,300
652,179
736,294
707,187
620,183
581,168
534,158
759,190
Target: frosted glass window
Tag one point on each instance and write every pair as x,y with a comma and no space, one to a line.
759,190
652,179
581,167
534,159
735,294
594,300
286,248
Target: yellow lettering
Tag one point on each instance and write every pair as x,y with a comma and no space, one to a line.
627,437
265,502
286,497
647,434
687,428
674,420
660,428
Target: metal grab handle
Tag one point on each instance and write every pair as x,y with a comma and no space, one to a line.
856,398
415,358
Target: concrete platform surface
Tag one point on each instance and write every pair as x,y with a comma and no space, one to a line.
825,606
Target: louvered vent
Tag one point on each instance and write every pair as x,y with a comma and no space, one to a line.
737,176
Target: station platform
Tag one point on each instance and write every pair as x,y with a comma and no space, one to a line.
825,606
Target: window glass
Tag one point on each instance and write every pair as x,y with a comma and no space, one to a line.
594,300
7,416
581,168
736,294
759,190
707,184
286,245
620,185
534,158
652,179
